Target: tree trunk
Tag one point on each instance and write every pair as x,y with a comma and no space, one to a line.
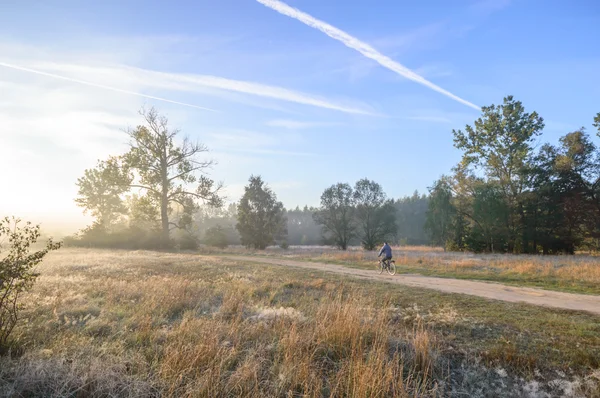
164,217
164,201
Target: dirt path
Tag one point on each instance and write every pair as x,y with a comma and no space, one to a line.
490,290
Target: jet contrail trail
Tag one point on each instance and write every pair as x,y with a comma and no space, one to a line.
38,72
360,46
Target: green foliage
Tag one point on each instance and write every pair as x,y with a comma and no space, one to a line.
489,213
261,219
100,191
500,145
216,237
143,212
441,214
567,211
186,241
375,215
133,237
501,141
166,170
17,269
503,197
336,214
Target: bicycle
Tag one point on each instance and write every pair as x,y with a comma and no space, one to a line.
389,266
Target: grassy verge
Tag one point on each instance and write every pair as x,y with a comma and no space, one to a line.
159,324
508,277
574,274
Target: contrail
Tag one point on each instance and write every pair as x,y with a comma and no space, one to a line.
360,46
20,68
264,90
239,86
252,88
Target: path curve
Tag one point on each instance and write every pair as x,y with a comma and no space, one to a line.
490,290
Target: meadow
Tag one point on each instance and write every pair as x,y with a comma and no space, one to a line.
140,323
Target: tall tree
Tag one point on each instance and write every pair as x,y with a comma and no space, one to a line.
500,145
170,174
375,214
261,217
568,178
441,213
166,170
101,189
336,214
489,232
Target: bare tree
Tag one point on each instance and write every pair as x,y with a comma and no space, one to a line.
166,170
171,175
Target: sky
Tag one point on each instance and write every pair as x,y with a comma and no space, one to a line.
305,93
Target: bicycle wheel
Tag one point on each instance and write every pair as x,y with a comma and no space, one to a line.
380,267
392,268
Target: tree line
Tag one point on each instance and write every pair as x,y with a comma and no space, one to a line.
507,196
157,195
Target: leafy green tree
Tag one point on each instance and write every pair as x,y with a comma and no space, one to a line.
500,144
169,174
336,214
375,214
566,179
441,213
17,269
261,219
490,211
101,189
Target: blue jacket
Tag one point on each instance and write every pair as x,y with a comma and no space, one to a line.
387,250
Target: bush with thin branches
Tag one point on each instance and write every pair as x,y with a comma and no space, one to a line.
17,269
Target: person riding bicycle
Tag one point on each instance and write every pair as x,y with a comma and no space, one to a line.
386,250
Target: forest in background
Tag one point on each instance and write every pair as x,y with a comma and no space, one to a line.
505,195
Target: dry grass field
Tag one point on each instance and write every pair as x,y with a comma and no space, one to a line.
577,274
131,323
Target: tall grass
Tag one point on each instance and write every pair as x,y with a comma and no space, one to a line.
146,324
130,324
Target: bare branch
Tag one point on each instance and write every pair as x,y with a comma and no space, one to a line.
145,187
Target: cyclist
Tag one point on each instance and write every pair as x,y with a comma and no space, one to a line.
386,250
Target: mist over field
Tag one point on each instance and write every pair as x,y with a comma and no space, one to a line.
306,199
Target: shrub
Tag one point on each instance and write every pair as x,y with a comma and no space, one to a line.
216,236
17,269
187,241
122,237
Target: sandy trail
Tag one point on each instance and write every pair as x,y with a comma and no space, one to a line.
490,290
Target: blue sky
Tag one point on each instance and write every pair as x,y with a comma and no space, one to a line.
289,102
